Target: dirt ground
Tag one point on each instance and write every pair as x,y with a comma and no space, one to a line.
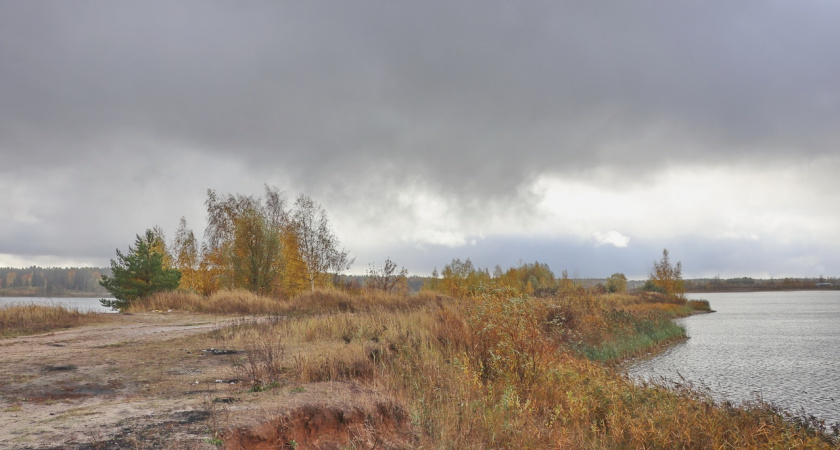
152,381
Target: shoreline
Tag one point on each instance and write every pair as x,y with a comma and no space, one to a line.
659,348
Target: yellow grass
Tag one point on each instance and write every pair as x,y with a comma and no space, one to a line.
241,302
223,302
24,319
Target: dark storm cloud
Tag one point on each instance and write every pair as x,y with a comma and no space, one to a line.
474,96
132,110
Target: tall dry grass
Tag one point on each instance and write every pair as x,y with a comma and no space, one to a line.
502,370
237,302
319,301
488,381
23,319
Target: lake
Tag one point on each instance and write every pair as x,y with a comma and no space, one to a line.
81,303
779,346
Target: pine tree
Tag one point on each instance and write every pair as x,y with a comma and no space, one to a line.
138,274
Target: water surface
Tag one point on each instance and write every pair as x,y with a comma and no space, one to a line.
83,304
783,347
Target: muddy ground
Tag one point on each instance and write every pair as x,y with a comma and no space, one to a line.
151,381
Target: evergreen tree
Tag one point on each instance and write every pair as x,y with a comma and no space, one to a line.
138,274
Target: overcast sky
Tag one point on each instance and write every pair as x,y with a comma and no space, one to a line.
586,135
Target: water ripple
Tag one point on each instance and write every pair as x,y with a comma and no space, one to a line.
777,346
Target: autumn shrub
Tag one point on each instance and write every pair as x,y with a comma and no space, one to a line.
23,319
507,339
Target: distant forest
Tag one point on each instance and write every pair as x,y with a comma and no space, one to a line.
52,281
758,284
84,281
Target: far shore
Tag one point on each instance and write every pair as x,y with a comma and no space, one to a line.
762,289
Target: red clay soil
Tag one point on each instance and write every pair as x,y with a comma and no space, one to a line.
328,426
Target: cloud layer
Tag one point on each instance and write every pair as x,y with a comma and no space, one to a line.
431,128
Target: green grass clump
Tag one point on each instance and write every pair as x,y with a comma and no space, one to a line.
647,334
700,305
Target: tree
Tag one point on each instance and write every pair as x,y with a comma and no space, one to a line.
317,244
245,242
255,256
667,278
617,283
185,254
387,279
159,246
138,274
463,279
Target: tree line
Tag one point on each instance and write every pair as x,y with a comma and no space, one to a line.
464,279
51,281
747,284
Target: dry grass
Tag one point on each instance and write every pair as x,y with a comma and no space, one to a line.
320,301
24,319
501,371
223,302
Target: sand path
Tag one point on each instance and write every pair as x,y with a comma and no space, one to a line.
120,380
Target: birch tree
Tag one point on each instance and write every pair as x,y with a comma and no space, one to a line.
185,253
317,244
244,241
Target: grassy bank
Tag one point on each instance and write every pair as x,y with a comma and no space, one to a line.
502,370
24,319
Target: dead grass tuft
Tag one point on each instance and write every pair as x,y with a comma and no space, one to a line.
23,319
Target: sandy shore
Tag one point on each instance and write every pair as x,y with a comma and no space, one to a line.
148,381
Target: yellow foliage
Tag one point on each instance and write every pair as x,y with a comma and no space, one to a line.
295,278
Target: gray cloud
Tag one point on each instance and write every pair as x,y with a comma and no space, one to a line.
357,102
490,90
700,258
